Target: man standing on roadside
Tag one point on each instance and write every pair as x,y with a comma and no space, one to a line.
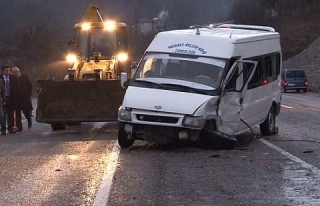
9,82
2,102
23,97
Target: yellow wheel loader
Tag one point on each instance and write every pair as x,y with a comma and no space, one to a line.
91,90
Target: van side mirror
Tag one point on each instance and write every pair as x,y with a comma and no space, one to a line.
124,79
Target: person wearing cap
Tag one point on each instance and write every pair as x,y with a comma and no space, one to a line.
23,98
10,83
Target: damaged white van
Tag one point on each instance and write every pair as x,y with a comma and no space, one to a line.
198,82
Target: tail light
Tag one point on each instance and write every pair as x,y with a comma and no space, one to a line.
285,83
306,83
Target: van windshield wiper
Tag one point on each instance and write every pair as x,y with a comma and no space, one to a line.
147,83
183,88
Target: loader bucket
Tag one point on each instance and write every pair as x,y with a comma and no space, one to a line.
78,101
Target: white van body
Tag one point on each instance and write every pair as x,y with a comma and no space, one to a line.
220,80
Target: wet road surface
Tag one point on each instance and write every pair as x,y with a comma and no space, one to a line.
83,165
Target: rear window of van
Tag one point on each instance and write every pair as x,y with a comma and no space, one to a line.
295,74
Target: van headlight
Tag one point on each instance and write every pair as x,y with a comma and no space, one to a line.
124,114
196,122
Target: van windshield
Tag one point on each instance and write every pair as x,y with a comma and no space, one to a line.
200,73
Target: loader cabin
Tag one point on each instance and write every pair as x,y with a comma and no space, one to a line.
108,38
98,40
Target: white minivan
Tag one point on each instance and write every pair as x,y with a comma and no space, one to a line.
193,83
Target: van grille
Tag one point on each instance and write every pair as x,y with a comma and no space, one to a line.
162,119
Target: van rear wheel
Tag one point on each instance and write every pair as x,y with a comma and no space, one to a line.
123,139
268,127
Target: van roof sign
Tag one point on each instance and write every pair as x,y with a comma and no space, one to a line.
187,48
217,42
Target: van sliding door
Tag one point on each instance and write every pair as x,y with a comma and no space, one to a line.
234,90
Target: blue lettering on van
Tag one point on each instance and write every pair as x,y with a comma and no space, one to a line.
194,48
185,51
202,50
176,45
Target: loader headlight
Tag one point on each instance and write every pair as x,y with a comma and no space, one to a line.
122,57
195,122
124,115
110,25
86,26
71,58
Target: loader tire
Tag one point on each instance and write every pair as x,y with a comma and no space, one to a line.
58,126
268,127
73,123
123,140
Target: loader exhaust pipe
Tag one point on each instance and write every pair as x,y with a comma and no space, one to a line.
97,73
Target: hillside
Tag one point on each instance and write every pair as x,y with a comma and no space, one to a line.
308,59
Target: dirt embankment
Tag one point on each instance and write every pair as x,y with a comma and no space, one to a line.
300,41
308,59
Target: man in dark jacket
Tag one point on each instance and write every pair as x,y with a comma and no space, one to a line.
23,97
2,102
10,83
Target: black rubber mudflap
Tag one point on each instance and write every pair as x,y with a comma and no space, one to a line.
214,140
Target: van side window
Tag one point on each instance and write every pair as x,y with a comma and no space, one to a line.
278,61
256,80
268,69
269,66
233,81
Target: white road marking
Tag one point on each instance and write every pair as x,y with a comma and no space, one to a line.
103,192
291,157
302,180
286,106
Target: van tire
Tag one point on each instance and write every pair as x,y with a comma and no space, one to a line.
123,140
268,127
304,90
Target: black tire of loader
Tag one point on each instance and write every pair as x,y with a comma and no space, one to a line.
268,127
123,140
58,126
73,123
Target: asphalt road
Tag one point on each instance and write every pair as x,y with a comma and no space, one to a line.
83,165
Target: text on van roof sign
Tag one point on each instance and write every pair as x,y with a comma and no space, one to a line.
187,48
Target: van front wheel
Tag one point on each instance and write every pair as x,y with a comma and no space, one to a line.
268,127
123,139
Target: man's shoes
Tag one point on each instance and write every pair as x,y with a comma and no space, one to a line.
29,123
12,132
3,133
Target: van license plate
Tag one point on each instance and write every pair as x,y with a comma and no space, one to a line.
291,84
